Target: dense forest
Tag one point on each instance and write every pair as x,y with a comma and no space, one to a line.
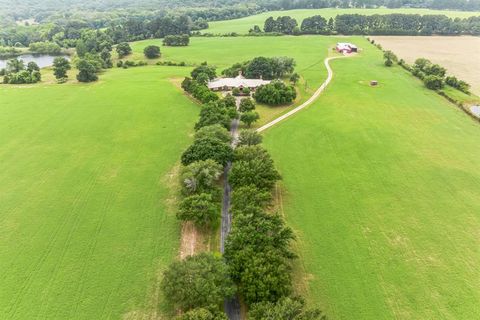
378,24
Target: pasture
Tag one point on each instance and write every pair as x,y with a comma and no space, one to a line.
382,187
242,25
459,55
86,175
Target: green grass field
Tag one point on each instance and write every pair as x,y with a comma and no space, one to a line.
382,187
85,176
242,25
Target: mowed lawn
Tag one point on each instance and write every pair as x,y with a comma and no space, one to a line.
85,184
242,25
383,188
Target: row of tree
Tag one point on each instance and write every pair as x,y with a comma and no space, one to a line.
176,40
386,24
262,67
200,283
197,84
258,249
433,75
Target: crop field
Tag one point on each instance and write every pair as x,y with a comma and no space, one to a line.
242,25
460,55
383,189
86,174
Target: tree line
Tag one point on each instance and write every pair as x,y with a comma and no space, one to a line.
385,24
258,255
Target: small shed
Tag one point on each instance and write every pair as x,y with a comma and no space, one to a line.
373,83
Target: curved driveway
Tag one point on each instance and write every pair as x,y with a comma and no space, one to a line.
309,101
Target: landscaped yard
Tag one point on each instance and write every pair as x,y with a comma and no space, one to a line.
242,25
382,187
86,176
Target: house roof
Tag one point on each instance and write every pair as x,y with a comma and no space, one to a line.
237,82
346,45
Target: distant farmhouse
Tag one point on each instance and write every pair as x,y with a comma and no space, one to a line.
345,47
227,84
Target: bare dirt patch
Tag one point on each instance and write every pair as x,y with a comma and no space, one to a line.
460,55
189,240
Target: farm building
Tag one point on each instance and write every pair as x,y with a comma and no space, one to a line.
239,81
345,47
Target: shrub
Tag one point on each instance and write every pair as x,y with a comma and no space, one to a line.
200,176
176,40
215,131
152,52
123,49
249,138
197,281
433,82
201,209
204,149
212,114
253,166
275,93
249,117
246,105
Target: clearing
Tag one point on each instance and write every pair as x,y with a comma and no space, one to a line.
84,195
460,55
242,25
382,188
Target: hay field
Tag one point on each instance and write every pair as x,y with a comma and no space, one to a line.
460,55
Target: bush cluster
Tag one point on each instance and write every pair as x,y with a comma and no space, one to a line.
17,73
176,40
128,64
275,93
171,63
262,67
152,52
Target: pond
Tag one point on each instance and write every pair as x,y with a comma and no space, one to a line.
43,60
476,111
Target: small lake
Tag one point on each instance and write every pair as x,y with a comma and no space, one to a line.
43,60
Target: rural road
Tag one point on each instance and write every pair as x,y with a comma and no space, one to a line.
232,306
309,101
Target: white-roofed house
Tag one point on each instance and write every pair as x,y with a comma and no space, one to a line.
240,82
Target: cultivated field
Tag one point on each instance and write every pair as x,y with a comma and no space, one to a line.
86,174
242,25
383,187
460,55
